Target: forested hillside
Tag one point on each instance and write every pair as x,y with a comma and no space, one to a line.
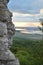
29,52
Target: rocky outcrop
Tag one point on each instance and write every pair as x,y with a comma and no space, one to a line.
7,31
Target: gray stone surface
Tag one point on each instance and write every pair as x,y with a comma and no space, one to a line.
7,31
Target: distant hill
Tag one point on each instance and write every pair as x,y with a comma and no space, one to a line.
29,28
27,36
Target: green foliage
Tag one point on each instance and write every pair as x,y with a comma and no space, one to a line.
29,52
41,28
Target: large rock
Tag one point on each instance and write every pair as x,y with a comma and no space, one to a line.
7,31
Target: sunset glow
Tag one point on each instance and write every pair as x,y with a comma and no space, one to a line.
26,24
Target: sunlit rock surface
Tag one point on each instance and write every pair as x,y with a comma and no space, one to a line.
7,31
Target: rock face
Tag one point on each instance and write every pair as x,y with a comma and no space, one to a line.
7,31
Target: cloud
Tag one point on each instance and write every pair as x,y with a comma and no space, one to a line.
41,14
29,32
26,13
21,17
41,11
26,24
26,6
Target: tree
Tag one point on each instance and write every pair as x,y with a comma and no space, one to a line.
41,28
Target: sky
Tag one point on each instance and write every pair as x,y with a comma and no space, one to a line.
26,12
